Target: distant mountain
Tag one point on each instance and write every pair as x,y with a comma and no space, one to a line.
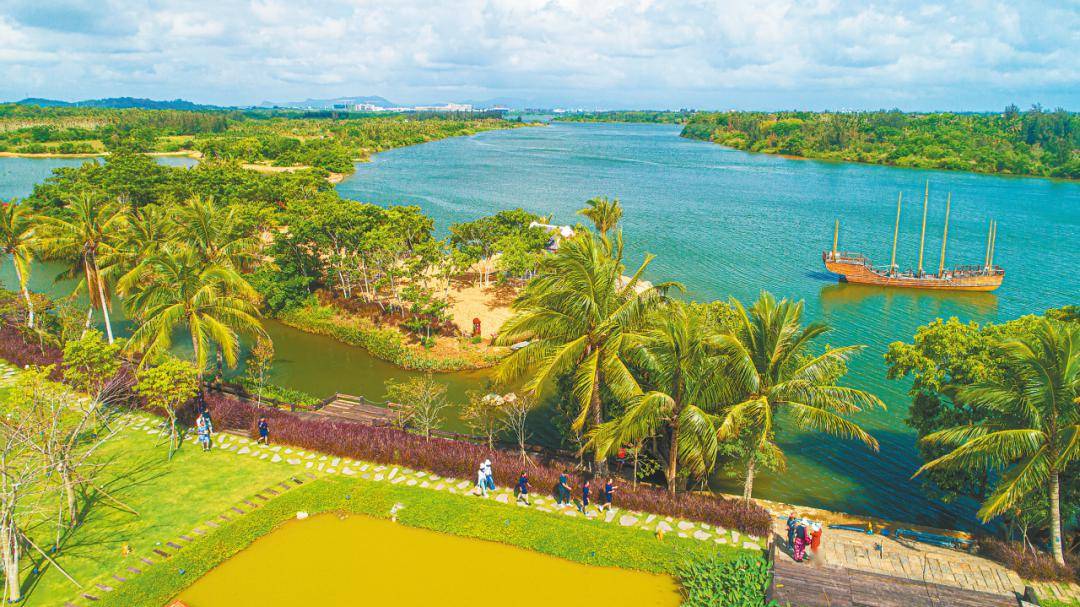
323,104
121,103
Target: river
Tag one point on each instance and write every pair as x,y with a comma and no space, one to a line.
729,223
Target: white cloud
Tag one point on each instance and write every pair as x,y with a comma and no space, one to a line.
614,53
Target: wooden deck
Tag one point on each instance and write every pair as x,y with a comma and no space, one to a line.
355,408
806,585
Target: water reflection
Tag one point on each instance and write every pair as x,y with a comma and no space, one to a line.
840,295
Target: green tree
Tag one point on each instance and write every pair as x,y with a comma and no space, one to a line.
769,368
575,315
678,356
18,237
1034,429
90,363
89,234
213,231
420,400
179,290
166,386
605,214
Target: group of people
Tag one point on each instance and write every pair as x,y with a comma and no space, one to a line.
803,534
204,428
485,482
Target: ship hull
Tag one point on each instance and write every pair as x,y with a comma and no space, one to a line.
861,274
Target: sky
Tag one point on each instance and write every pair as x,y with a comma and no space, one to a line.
707,54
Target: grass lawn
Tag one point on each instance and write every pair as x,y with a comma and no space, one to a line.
171,498
572,538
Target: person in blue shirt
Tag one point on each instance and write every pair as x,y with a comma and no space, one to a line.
523,488
609,493
264,431
562,490
585,490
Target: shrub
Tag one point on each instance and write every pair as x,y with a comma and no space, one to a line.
739,582
459,459
1028,565
20,351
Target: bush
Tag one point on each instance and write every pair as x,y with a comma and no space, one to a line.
740,582
459,459
1037,566
20,351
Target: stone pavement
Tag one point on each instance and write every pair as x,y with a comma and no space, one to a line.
907,559
318,463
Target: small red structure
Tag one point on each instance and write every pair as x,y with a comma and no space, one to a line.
476,327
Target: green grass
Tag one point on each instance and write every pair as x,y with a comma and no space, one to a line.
574,539
171,498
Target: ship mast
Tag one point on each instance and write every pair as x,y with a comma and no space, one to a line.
896,232
835,238
922,236
989,233
993,245
944,237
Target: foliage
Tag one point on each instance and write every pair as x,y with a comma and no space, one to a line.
90,362
483,412
1035,142
259,362
658,117
738,582
1027,563
165,387
452,459
421,401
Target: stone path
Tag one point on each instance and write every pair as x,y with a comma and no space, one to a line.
854,551
1064,592
318,463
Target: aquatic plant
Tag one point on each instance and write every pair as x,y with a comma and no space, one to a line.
454,458
739,582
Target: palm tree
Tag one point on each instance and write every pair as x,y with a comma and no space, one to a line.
146,232
18,238
769,368
214,233
1033,422
605,214
88,235
575,314
176,290
678,355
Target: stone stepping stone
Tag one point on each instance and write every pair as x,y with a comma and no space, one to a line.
293,461
685,525
237,510
609,516
392,473
650,518
272,491
287,450
734,537
424,484
380,468
663,526
266,455
463,485
199,531
721,540
628,521
262,497
146,560
364,468
213,524
277,448
682,534
379,477
322,459
119,578
439,487
284,485
701,535
104,587
751,546
89,597
187,538
570,512
502,498
161,553
320,467
173,545
243,451
411,482
397,480
335,462
135,570
421,474
348,471
308,465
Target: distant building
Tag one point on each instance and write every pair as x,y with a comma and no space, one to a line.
449,107
558,233
366,107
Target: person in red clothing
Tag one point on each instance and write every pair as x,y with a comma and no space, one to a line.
815,540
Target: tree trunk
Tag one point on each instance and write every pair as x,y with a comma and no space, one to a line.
748,488
26,296
598,416
104,303
673,457
69,492
1055,518
9,544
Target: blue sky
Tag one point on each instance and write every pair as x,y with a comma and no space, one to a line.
717,54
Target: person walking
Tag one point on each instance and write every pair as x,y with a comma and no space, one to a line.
800,542
523,488
203,430
562,490
264,431
815,541
481,482
791,531
609,494
586,488
490,481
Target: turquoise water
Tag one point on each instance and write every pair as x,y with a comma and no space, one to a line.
728,223
18,175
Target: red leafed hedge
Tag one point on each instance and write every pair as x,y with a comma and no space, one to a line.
461,459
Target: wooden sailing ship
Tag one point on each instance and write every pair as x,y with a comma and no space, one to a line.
856,267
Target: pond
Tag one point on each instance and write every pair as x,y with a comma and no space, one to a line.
332,561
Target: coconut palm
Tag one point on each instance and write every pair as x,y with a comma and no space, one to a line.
605,214
769,367
574,315
1032,426
89,234
17,238
178,290
146,233
213,232
678,355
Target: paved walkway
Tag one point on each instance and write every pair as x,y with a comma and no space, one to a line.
317,463
905,559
